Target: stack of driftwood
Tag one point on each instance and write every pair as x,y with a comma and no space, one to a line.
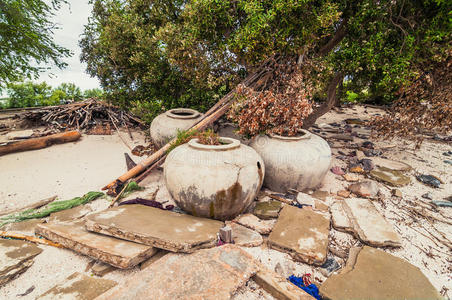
83,115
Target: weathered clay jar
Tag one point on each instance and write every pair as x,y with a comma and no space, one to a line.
299,162
164,127
218,182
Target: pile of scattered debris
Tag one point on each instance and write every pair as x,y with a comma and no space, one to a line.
84,115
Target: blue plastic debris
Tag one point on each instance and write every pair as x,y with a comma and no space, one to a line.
305,285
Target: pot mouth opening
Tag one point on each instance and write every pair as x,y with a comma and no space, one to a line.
225,144
182,113
302,135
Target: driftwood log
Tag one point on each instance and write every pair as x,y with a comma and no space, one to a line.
41,142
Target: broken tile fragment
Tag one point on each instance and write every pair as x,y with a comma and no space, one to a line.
390,177
350,177
155,227
209,274
15,258
302,233
343,193
267,210
278,286
320,205
245,237
78,287
73,235
253,222
379,275
369,225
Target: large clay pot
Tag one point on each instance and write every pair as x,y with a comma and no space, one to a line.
165,126
299,162
218,182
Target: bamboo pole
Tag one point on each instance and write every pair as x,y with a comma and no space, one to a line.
41,142
19,236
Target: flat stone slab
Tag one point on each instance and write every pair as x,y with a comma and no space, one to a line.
339,218
208,274
70,214
369,225
391,177
15,258
379,275
278,286
78,287
73,235
253,222
267,210
245,237
391,164
155,227
302,233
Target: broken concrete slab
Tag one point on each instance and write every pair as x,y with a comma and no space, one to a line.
25,227
155,227
367,189
253,222
73,235
379,275
369,225
70,214
320,205
305,199
302,233
390,177
339,218
278,286
391,164
15,258
321,195
268,210
214,273
245,237
78,287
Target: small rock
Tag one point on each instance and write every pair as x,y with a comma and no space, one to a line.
367,189
429,180
427,196
329,266
396,193
357,169
448,162
342,137
285,268
343,193
442,203
448,153
360,155
355,121
351,177
373,152
337,170
367,164
321,195
245,237
368,145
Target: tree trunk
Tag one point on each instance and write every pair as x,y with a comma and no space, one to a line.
330,102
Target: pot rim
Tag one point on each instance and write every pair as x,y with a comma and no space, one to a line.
233,144
306,135
192,114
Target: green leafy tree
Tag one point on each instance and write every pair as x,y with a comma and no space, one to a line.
28,94
26,35
71,91
93,93
191,52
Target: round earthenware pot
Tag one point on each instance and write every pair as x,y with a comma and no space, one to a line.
217,182
165,126
300,162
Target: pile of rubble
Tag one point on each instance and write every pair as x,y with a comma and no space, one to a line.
330,236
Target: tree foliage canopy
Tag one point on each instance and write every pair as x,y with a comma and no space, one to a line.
26,39
188,53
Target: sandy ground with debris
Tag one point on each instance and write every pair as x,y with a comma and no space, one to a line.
73,169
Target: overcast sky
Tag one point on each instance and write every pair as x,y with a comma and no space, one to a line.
71,18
